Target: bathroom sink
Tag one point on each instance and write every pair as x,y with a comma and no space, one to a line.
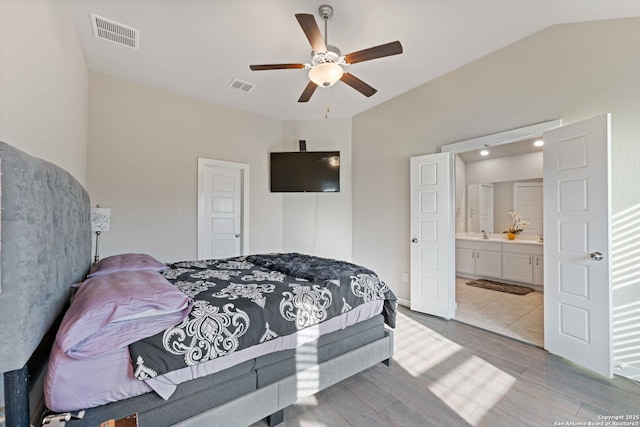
501,238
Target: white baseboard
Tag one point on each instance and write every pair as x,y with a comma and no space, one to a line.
630,372
404,302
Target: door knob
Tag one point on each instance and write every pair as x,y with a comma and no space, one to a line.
414,240
596,256
237,235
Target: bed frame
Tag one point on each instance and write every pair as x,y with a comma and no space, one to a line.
45,246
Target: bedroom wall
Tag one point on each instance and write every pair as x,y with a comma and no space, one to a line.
319,223
143,150
571,72
43,83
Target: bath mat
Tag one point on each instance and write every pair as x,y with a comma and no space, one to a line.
501,287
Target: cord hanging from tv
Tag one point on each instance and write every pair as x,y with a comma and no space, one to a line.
305,171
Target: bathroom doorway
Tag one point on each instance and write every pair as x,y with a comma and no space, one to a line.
577,308
490,182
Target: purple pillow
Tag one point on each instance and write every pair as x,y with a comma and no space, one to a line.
126,262
114,310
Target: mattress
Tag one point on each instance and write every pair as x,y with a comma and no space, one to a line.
109,377
113,345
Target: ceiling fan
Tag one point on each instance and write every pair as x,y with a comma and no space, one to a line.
327,61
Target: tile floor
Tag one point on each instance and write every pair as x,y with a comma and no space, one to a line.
517,316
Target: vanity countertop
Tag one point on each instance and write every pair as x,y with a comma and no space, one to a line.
500,238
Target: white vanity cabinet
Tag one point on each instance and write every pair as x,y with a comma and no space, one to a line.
488,263
538,270
479,258
465,260
519,263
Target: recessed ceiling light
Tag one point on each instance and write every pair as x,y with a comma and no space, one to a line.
539,143
484,153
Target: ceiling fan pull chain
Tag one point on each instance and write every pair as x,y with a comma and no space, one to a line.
327,98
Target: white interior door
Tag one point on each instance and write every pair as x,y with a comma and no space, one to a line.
577,278
528,200
432,235
221,209
473,206
486,207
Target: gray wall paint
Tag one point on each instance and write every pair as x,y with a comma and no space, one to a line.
143,150
43,84
144,145
571,72
319,223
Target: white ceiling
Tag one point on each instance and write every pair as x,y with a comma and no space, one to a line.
197,47
501,150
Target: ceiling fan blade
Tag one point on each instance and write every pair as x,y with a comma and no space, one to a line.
358,84
311,30
388,49
307,92
275,67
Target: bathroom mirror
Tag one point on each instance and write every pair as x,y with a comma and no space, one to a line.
487,205
480,208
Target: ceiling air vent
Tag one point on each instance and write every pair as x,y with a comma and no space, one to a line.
115,32
239,84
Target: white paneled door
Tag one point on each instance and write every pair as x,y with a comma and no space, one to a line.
221,209
528,200
432,235
577,278
485,207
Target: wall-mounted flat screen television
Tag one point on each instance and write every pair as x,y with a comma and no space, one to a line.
305,171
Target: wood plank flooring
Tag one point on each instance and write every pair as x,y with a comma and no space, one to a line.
446,373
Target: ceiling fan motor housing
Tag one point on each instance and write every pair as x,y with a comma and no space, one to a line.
332,54
325,11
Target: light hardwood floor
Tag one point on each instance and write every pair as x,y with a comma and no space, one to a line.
447,373
516,316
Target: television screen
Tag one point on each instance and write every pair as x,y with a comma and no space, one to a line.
305,171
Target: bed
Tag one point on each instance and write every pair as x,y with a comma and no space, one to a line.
46,247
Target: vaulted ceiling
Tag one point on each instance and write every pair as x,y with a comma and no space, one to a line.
198,47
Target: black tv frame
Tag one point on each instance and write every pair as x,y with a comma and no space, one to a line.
304,172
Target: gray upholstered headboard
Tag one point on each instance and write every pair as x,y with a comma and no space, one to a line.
45,245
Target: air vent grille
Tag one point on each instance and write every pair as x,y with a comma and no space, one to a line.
115,32
242,85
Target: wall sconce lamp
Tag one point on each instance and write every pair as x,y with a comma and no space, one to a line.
100,219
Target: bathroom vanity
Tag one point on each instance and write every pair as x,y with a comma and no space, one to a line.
518,262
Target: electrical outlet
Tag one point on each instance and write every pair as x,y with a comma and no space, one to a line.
405,277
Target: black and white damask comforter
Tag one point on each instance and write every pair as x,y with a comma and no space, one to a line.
243,301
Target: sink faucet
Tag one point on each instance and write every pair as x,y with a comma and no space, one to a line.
484,235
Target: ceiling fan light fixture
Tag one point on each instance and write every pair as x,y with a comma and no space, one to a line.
326,64
326,74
